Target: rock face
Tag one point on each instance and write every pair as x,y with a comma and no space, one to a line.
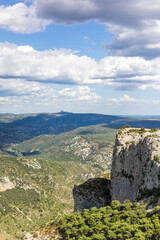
93,193
136,163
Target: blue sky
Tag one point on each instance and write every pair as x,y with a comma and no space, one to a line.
97,56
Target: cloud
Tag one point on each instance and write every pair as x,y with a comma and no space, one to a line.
80,93
7,100
127,99
21,87
66,12
136,41
132,22
21,18
135,24
57,66
126,13
66,67
17,90
18,95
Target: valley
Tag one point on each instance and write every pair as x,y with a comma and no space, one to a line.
42,158
37,176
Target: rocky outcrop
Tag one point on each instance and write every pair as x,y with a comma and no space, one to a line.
6,184
136,163
93,193
135,173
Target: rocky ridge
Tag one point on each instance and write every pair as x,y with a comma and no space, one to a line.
94,192
135,173
136,163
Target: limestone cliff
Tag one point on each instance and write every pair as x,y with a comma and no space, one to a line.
136,163
135,173
93,193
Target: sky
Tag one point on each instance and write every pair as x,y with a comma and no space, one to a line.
99,56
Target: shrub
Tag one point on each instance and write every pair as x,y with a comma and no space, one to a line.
156,158
118,222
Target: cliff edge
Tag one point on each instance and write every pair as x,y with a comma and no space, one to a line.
93,193
136,163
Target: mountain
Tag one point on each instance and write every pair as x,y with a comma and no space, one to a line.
85,144
42,157
134,189
38,175
18,128
135,172
31,126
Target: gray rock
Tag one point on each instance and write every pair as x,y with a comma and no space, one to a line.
93,193
136,163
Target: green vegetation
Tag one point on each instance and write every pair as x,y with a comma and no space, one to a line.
85,144
126,126
118,222
122,128
143,130
129,142
19,128
43,180
153,130
153,135
156,158
37,177
137,130
140,131
40,194
120,132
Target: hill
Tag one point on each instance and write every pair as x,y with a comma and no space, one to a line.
38,175
18,128
35,125
115,222
43,156
135,176
86,144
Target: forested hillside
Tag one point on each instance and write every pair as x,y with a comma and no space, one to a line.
37,176
115,222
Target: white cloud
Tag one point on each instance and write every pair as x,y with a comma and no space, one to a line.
19,90
21,87
7,100
21,18
132,22
65,67
135,24
80,93
57,66
127,99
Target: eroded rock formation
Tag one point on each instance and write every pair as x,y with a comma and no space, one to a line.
93,193
136,163
135,173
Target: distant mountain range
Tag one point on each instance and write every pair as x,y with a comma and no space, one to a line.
18,128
